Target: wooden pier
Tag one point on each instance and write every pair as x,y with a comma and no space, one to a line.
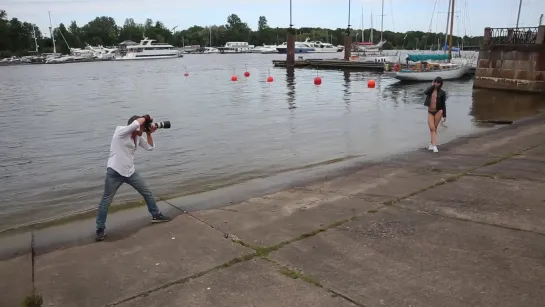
335,64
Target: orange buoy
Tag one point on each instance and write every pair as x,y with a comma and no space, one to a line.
371,84
317,81
247,74
234,78
270,79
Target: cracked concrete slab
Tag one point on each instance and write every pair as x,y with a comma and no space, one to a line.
516,168
105,272
537,154
15,280
516,204
272,219
380,180
253,283
402,258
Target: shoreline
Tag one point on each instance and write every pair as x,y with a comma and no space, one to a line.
72,230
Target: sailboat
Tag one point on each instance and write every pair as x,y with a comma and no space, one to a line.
428,71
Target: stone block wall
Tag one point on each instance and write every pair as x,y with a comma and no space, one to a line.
512,66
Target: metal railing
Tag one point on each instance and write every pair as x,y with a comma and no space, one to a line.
513,35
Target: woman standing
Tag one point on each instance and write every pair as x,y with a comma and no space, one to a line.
436,101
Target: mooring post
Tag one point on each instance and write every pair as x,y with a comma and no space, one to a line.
290,57
347,45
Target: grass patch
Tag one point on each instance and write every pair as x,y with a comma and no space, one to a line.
293,274
33,300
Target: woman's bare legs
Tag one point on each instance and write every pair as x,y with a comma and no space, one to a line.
433,124
433,129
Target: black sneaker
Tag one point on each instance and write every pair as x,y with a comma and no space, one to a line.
100,234
159,218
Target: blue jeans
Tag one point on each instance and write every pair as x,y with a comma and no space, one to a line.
112,183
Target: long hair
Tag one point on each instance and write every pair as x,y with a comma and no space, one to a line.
133,118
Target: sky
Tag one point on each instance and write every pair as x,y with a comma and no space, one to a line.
472,16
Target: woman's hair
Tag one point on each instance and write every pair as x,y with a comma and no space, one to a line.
439,80
133,118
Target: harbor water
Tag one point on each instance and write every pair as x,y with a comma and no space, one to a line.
58,122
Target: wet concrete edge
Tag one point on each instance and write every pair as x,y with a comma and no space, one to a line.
13,246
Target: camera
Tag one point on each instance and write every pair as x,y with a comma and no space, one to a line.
159,125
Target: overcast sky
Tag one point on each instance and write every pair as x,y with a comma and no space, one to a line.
401,15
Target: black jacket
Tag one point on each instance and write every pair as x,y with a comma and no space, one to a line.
441,99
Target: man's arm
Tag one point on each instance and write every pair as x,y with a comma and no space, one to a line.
127,130
147,142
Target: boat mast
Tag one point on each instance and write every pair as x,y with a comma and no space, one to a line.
451,28
382,21
518,16
446,27
52,33
35,39
362,35
372,27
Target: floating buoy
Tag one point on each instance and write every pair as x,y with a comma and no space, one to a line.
270,79
234,78
371,84
186,75
317,81
246,74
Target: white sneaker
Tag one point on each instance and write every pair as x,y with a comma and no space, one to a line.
435,149
430,147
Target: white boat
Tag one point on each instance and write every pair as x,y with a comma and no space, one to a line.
235,47
210,50
447,71
265,49
321,47
300,47
146,50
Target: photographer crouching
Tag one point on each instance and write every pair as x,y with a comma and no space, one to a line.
120,168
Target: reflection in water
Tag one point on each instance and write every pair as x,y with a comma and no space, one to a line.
503,105
290,83
346,90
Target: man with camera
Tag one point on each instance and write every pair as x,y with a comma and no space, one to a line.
120,168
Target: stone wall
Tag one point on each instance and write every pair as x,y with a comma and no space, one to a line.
511,63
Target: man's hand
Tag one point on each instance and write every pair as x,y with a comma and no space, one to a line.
152,129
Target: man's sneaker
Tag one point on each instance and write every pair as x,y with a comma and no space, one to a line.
100,234
159,218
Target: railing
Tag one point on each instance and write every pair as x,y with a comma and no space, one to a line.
513,35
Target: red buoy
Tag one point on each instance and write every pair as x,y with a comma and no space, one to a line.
317,81
270,79
371,84
186,75
247,74
234,78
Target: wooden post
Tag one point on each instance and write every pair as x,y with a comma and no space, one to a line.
347,45
290,56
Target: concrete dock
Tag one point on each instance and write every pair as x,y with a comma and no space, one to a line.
462,227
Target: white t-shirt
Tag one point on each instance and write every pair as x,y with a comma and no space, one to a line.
123,148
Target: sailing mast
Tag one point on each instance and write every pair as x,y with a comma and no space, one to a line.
362,35
382,21
52,33
451,28
446,26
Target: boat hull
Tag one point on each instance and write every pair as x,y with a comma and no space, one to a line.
426,76
284,50
155,57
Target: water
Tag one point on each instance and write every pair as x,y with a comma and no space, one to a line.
58,119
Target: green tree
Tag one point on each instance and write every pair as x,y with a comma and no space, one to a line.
16,37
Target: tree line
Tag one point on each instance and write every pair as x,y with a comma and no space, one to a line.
21,37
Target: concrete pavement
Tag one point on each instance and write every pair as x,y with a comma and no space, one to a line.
463,227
